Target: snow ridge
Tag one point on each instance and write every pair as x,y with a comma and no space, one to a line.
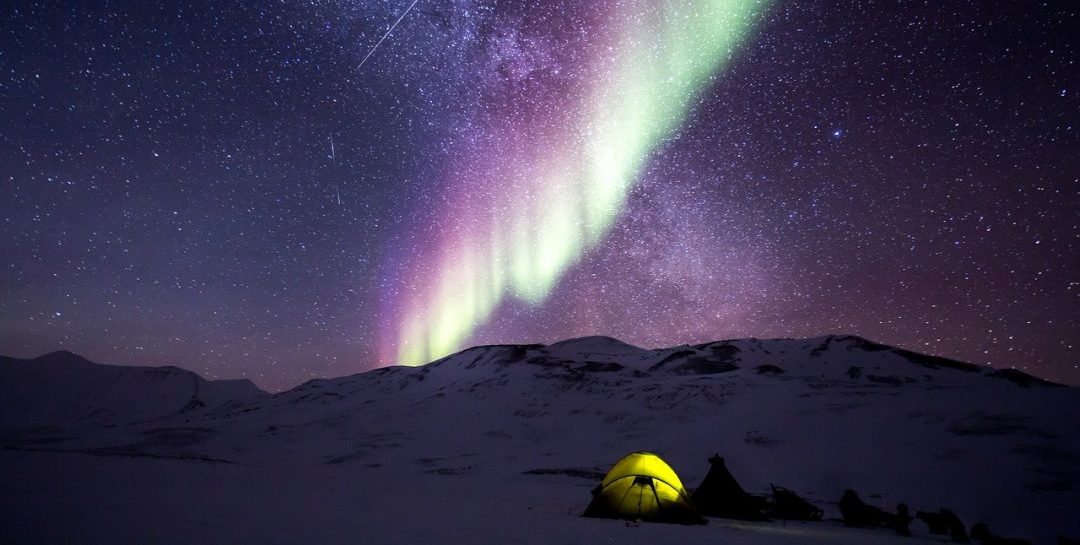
507,426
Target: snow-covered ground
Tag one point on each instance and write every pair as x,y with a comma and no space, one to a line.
502,444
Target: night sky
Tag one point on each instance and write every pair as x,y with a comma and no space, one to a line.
232,188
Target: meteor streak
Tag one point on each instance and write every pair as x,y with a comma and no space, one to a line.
392,27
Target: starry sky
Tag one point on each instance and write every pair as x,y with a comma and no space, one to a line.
250,190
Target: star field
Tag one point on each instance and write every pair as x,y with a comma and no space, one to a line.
168,193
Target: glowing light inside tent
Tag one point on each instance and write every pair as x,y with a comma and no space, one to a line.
642,486
540,193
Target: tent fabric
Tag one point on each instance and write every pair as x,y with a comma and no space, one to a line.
641,486
721,495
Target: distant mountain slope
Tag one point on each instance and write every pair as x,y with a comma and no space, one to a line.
539,424
817,415
63,389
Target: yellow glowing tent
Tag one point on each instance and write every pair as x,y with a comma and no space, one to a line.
641,486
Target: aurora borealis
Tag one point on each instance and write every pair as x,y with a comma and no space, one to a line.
561,177
663,172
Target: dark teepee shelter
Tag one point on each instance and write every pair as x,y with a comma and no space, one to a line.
641,486
720,495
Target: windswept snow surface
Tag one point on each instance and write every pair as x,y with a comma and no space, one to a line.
502,444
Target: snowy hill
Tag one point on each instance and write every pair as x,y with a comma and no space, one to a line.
503,443
63,389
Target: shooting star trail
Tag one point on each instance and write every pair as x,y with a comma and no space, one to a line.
392,27
333,158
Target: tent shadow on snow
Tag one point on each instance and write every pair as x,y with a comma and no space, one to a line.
641,486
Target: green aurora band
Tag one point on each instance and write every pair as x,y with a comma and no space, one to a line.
545,211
